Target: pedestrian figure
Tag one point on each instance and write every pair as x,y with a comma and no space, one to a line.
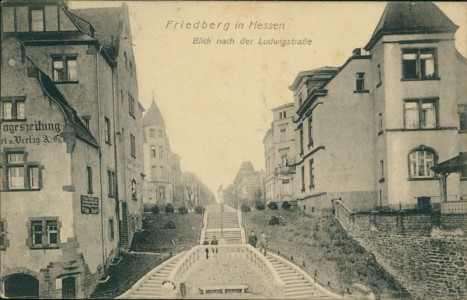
263,242
214,244
207,248
252,239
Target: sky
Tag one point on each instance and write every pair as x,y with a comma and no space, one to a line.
216,99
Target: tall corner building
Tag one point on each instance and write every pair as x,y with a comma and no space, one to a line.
71,147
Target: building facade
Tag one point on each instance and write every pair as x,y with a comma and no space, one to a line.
61,212
279,147
379,123
162,166
248,185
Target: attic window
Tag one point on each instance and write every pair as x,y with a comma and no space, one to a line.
37,19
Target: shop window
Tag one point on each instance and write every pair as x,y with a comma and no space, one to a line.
19,174
12,108
420,113
44,233
65,68
419,64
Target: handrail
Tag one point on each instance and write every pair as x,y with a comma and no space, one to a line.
241,226
347,219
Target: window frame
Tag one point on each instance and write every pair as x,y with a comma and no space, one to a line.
24,165
15,101
431,174
310,131
111,229
65,58
312,174
302,169
421,119
36,8
360,83
417,51
301,142
131,105
134,192
153,151
107,131
89,180
45,233
132,145
111,184
4,241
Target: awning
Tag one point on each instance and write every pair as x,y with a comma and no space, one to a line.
452,165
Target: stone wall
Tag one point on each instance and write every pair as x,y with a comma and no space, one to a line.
430,262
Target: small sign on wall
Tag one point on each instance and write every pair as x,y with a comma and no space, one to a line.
89,205
58,284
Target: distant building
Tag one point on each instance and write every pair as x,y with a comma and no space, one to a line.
162,166
369,132
64,206
279,147
248,185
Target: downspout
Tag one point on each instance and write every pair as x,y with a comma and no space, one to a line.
117,194
104,250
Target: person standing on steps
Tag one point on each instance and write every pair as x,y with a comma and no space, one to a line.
263,242
214,244
252,239
206,243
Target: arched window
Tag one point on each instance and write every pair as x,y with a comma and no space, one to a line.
421,160
133,189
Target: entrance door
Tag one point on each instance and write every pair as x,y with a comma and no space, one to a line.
69,288
21,286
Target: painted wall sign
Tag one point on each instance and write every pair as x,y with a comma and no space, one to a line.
36,133
89,205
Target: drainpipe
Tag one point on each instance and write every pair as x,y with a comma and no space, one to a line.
117,194
100,156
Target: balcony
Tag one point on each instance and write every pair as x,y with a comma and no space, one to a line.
284,171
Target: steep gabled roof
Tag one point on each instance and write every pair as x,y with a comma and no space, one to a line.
107,23
153,116
410,18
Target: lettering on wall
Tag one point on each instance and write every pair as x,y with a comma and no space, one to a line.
35,133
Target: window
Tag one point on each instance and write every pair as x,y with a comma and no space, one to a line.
380,123
12,108
86,121
280,115
19,173
44,233
111,229
111,184
153,151
420,113
301,141
161,133
462,121
420,162
284,159
153,172
3,235
37,19
133,190
89,180
131,103
107,131
161,152
312,174
310,131
379,76
284,114
133,145
65,68
381,179
303,178
126,60
131,69
360,82
419,64
283,136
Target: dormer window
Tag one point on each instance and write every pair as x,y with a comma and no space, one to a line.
37,18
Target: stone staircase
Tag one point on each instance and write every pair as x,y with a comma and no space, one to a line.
228,219
150,286
297,284
230,236
223,224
